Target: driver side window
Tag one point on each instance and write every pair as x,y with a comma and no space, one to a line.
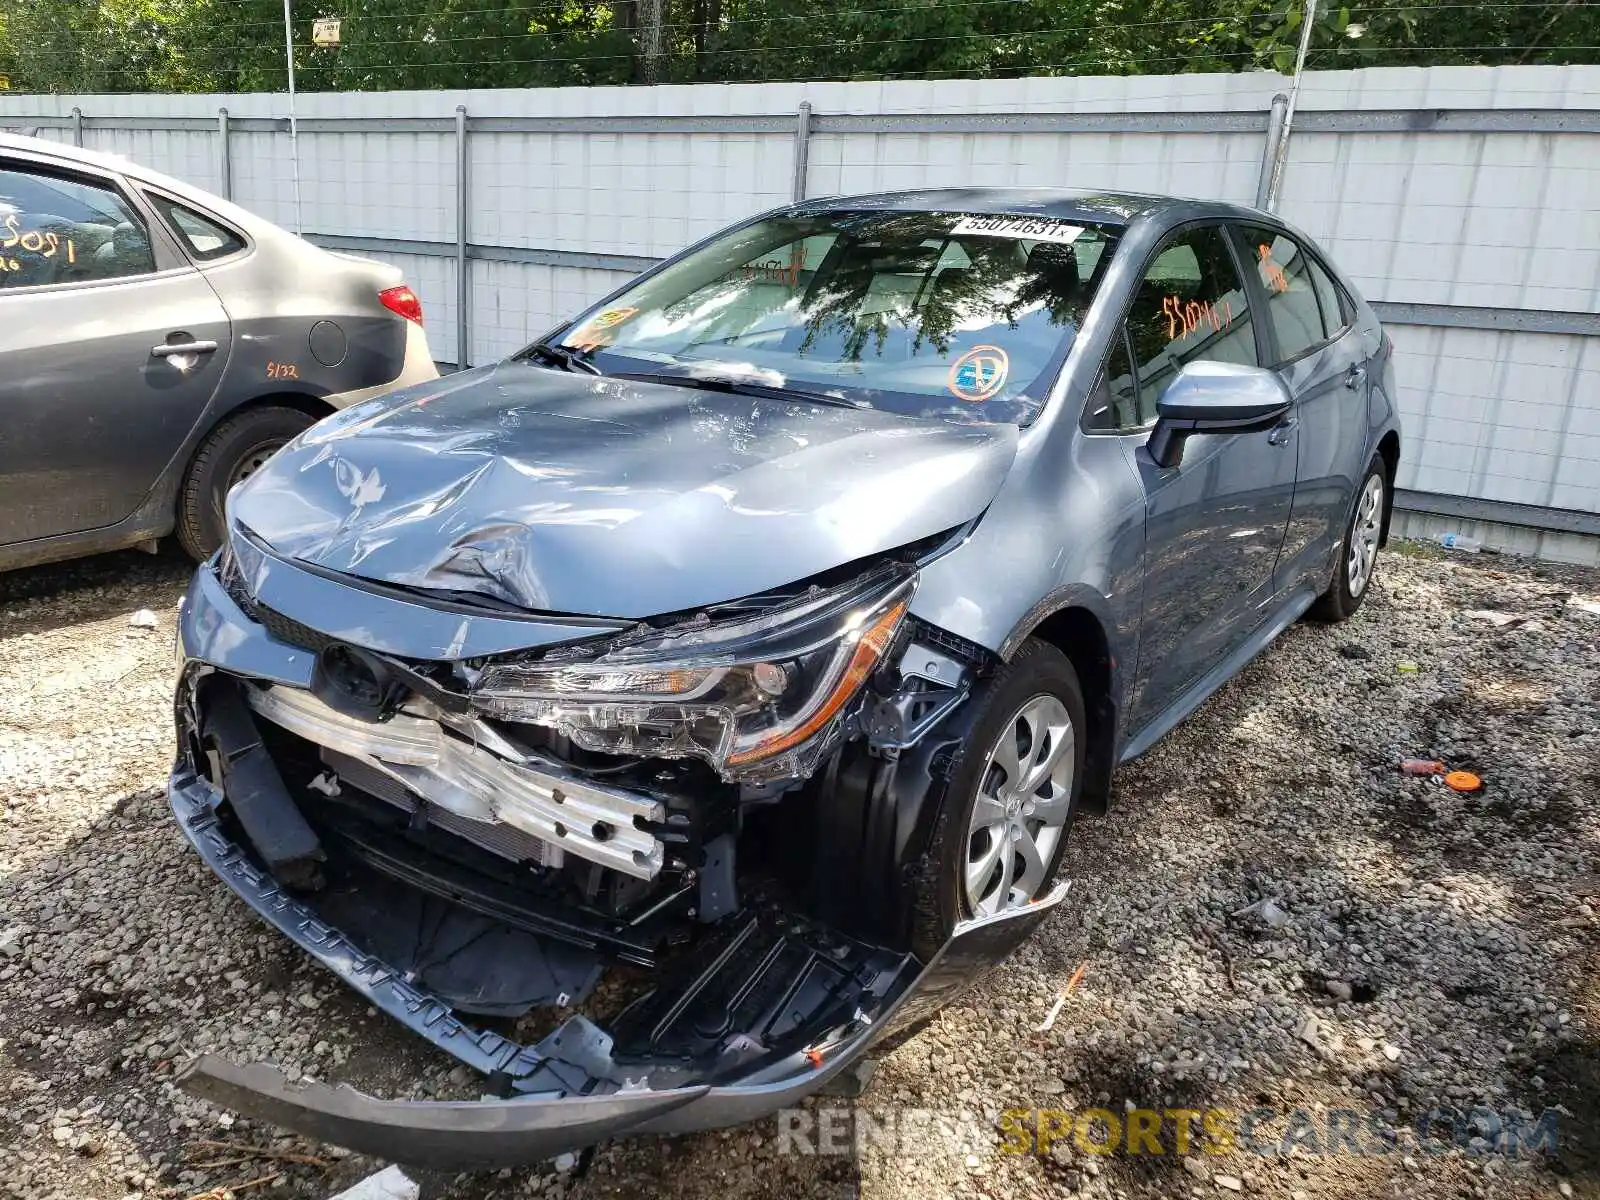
1190,306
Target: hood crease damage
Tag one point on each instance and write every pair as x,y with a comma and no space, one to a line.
572,494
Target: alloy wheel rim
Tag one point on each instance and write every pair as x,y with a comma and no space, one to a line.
1364,534
252,462
1024,794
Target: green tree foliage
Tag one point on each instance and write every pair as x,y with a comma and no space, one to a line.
103,45
237,45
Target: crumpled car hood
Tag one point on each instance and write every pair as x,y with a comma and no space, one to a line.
567,493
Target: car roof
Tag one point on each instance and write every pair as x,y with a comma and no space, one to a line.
1074,204
1114,208
39,145
200,199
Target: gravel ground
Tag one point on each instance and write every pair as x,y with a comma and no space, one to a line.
1407,946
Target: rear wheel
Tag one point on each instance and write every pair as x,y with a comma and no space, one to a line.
1011,798
1358,552
231,453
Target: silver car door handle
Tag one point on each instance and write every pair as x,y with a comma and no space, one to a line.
1354,376
167,350
1282,431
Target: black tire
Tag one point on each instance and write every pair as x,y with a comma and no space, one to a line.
1037,669
1339,602
226,455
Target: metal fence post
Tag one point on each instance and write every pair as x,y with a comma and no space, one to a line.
77,126
1308,22
463,209
802,149
1269,152
226,163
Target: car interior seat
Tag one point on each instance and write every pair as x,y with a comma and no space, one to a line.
126,252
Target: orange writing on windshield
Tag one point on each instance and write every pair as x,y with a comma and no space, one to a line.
1271,272
1184,317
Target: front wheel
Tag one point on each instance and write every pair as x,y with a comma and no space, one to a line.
231,453
1011,796
1358,552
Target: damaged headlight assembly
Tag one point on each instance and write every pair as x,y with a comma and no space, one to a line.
759,698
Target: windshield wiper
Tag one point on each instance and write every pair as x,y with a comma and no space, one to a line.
738,387
561,356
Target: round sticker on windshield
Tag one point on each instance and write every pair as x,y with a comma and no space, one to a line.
979,373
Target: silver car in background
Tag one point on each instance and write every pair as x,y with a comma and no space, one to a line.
158,344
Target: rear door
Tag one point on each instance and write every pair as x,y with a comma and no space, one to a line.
111,346
1215,522
1319,354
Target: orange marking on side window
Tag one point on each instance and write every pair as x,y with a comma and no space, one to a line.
44,243
1273,273
1184,318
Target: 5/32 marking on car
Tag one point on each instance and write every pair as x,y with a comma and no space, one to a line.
280,370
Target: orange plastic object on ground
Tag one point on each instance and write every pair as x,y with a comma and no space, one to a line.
1463,781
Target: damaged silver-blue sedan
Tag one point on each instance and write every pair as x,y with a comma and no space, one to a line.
750,642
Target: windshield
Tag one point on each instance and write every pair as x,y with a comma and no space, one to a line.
939,314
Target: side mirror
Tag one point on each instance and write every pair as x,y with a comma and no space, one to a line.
1215,397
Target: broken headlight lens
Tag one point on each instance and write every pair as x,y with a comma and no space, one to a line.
758,698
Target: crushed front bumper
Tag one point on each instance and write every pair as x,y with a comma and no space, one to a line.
564,1114
566,1091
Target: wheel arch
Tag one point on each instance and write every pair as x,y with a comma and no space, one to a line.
1389,452
313,406
1081,634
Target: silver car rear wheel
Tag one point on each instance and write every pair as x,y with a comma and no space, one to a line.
1355,561
1365,533
233,451
1024,800
253,460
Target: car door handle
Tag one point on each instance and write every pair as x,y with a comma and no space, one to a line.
1354,376
1282,432
168,349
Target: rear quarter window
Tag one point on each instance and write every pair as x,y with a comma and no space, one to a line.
205,238
1338,311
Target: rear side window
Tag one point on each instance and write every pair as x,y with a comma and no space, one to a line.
1302,302
1190,306
58,229
203,237
1335,305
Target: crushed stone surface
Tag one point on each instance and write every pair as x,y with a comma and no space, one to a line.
1272,917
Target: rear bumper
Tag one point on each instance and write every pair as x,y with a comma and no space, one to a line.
570,1110
417,367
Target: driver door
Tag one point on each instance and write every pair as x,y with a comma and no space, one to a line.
1214,524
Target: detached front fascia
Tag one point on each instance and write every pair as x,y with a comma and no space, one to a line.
323,819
